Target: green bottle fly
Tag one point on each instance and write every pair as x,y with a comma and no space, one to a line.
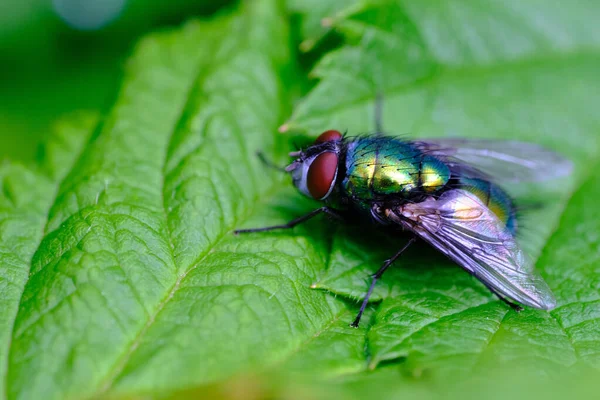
442,191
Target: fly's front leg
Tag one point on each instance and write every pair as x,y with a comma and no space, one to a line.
294,222
374,279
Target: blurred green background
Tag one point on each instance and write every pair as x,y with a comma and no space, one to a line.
62,55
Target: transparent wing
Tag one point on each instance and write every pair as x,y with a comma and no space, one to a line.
511,161
459,225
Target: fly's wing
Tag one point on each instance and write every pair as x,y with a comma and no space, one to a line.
511,161
459,225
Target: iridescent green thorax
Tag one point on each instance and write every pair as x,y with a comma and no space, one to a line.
377,167
495,198
380,168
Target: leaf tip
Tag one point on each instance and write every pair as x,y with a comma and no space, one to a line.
284,128
307,45
327,22
313,75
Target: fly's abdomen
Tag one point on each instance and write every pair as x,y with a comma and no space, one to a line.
377,167
496,199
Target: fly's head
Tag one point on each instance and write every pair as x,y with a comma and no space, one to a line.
315,169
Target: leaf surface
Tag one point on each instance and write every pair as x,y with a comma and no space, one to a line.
25,200
138,276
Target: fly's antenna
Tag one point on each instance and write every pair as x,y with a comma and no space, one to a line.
379,113
269,163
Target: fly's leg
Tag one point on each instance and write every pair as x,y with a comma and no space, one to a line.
294,222
512,305
379,113
375,277
268,163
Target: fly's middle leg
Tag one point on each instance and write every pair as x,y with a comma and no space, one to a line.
374,279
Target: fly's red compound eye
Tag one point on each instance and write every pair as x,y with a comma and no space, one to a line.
321,175
328,136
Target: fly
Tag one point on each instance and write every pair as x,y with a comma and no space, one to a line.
441,190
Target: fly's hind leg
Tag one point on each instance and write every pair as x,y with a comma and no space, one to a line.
512,305
378,114
323,210
374,279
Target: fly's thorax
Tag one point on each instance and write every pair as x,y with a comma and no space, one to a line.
377,167
315,169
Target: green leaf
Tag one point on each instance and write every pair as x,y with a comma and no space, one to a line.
25,201
138,276
315,15
515,70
